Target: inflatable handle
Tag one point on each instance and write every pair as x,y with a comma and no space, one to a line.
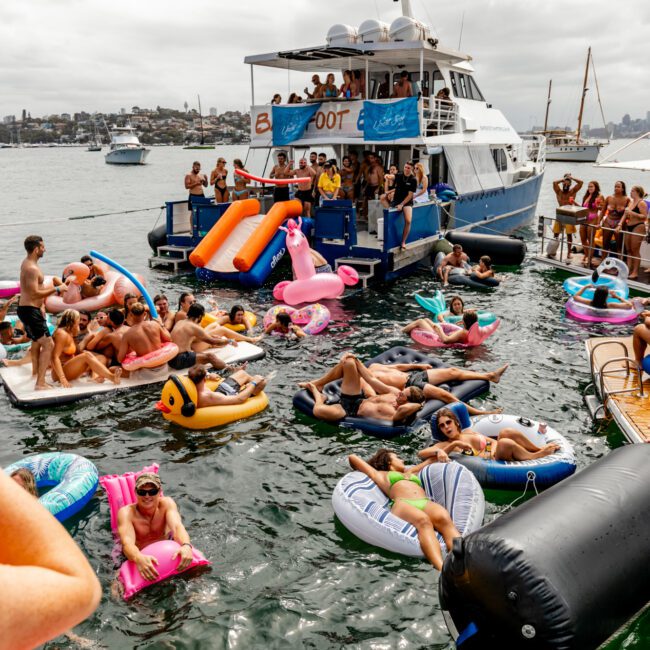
269,181
140,287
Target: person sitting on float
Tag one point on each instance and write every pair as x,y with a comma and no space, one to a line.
93,268
235,389
236,316
510,444
66,364
453,338
165,315
456,308
144,336
91,288
185,301
483,269
131,299
603,298
409,501
454,260
285,326
4,308
152,518
108,338
10,335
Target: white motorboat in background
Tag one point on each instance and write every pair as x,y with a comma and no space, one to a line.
126,148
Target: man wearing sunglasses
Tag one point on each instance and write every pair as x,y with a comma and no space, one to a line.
152,518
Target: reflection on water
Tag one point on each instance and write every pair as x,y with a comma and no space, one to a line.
255,495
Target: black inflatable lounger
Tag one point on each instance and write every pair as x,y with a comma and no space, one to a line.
463,390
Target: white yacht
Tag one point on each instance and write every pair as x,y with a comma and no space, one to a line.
125,148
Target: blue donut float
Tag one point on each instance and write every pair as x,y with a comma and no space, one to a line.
73,480
437,305
601,277
512,475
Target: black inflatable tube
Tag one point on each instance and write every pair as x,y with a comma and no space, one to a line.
157,237
564,570
506,251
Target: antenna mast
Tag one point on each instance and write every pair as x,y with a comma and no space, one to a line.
548,105
406,8
201,119
584,93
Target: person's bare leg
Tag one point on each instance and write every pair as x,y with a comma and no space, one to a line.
640,341
443,375
34,351
435,392
351,384
211,358
426,533
519,438
510,450
331,375
408,216
322,411
420,323
442,522
44,358
77,366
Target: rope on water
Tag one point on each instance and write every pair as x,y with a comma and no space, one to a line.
84,216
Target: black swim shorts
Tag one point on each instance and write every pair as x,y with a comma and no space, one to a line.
34,321
351,403
305,196
183,360
417,378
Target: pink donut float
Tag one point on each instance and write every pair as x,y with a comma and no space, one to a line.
588,314
154,359
120,490
315,318
477,334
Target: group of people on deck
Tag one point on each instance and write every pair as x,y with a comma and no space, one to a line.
622,220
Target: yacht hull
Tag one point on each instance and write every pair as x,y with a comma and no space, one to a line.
127,156
573,152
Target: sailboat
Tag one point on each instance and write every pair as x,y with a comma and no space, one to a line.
568,146
95,143
199,145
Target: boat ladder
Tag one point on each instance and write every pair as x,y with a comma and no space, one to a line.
597,401
365,267
169,255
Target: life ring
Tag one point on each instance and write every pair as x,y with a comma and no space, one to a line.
178,404
314,318
120,490
269,181
74,480
14,320
437,305
476,335
512,475
154,359
365,510
586,313
208,319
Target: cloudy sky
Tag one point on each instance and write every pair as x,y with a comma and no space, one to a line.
102,55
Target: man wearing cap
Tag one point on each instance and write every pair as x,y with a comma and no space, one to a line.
152,518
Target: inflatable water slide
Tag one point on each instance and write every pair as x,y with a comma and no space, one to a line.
245,246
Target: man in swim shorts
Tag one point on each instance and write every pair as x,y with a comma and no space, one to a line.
565,195
236,389
144,336
365,396
281,170
304,191
30,308
152,518
454,260
189,330
195,181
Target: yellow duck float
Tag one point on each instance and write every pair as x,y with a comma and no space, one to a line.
178,404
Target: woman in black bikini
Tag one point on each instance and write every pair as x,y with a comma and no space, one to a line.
218,179
610,215
347,179
635,225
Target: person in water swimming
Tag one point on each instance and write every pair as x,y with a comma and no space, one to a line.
236,389
456,337
363,395
284,325
603,298
152,518
509,445
409,501
483,269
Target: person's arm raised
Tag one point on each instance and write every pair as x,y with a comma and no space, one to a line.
406,410
360,465
48,586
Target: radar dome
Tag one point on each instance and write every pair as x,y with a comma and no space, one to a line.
373,31
341,35
405,28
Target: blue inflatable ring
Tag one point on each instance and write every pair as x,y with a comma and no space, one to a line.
74,480
14,320
437,305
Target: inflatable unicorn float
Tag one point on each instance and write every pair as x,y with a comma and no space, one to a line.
309,286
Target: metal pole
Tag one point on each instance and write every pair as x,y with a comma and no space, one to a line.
252,87
421,100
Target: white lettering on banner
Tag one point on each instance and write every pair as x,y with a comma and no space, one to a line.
332,120
389,123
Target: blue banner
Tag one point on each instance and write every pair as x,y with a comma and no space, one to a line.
290,122
391,121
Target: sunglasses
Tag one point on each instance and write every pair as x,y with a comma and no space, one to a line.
147,493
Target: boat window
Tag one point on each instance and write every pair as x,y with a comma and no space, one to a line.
464,86
455,85
500,159
415,79
476,93
472,168
465,91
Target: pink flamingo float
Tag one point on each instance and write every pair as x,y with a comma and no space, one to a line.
309,286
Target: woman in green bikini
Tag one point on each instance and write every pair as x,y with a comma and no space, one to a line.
409,500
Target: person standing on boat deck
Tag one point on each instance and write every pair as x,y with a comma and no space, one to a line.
329,182
195,182
316,168
611,213
565,195
281,170
405,187
318,88
347,179
360,83
277,99
373,179
635,224
348,89
403,87
241,190
30,308
422,193
454,260
383,92
218,179
592,200
304,191
329,88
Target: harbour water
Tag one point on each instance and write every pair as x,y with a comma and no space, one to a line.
255,495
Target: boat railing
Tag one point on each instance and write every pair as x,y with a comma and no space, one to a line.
593,246
624,365
534,147
438,117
